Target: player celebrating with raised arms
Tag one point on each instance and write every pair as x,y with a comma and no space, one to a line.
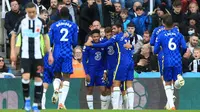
125,66
94,66
172,44
64,36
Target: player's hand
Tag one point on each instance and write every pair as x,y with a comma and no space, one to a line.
142,62
128,45
88,43
108,2
126,34
105,76
87,78
13,65
50,59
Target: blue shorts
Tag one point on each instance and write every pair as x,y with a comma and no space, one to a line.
63,65
110,78
96,78
170,73
48,76
124,72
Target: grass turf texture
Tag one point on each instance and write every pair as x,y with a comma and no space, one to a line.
103,111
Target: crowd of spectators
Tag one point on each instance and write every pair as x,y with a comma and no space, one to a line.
132,14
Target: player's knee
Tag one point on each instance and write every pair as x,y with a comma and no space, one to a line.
66,77
58,75
38,79
89,90
26,76
116,83
46,85
167,82
103,90
129,84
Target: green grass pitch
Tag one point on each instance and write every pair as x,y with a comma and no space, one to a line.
103,111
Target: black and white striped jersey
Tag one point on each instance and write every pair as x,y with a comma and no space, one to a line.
195,65
30,30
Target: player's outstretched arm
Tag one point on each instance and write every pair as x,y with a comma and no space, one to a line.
105,44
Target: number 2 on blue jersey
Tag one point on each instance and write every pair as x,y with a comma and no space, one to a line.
65,32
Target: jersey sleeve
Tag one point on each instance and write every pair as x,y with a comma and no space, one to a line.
17,28
85,59
157,44
51,36
75,36
107,43
153,37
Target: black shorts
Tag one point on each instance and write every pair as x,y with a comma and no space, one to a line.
32,66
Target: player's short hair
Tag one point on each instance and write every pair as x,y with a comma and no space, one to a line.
147,32
130,25
95,31
64,13
108,29
44,11
30,5
167,20
118,25
177,3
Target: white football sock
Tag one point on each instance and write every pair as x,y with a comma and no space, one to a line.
172,85
177,85
59,96
56,84
115,97
120,101
130,94
89,99
125,102
65,90
169,96
167,104
103,102
44,98
108,98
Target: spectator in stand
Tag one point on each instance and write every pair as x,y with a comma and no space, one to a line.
186,60
56,16
12,17
130,4
124,18
195,64
3,67
193,9
39,5
132,12
104,9
157,16
193,43
53,7
115,16
102,33
139,44
122,2
77,63
145,60
177,15
134,38
73,10
142,22
88,14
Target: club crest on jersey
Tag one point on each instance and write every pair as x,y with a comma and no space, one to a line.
38,30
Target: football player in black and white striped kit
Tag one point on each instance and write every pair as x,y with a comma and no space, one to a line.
31,54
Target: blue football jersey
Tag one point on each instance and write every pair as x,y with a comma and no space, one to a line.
172,44
155,33
64,35
93,59
119,40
